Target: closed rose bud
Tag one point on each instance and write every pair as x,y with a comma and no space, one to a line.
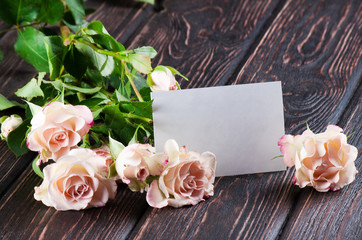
162,79
9,124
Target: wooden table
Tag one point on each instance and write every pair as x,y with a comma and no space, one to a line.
313,47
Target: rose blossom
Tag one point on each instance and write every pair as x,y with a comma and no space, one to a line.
76,181
105,152
138,161
9,124
163,80
58,128
324,161
188,178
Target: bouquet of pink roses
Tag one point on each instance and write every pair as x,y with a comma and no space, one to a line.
88,115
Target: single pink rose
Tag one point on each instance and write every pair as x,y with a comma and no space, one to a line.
163,80
58,128
138,161
324,161
10,124
76,181
187,179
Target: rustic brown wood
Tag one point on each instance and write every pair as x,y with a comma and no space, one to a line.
332,215
313,47
205,40
317,57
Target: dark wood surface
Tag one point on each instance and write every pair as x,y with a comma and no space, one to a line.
313,47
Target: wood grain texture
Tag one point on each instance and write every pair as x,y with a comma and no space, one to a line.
317,56
332,215
122,19
205,40
22,217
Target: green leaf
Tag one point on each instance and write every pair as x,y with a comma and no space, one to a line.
112,171
140,62
152,2
91,102
31,47
77,9
115,146
279,156
14,12
146,50
5,103
104,63
98,27
175,72
82,90
30,90
69,20
55,50
113,117
34,108
107,42
51,11
143,109
17,139
75,62
36,168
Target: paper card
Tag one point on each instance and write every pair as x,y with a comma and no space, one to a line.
240,124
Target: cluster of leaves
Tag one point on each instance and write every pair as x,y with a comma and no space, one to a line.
83,65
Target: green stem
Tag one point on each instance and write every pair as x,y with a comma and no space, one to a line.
18,27
119,57
134,116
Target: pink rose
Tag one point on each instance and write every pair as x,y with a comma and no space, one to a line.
105,152
58,128
138,161
9,124
324,161
162,79
188,178
76,181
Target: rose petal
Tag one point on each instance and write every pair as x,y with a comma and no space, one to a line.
154,196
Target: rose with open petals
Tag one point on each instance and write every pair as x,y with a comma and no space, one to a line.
58,128
9,124
187,179
162,79
138,161
76,181
324,161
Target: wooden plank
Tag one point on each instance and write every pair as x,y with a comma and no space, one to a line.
316,55
122,19
332,215
205,40
313,48
22,217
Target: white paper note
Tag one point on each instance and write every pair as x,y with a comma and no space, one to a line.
240,124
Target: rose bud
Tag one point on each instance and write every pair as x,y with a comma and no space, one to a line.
9,124
162,79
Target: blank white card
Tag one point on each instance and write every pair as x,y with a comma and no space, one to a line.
240,124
